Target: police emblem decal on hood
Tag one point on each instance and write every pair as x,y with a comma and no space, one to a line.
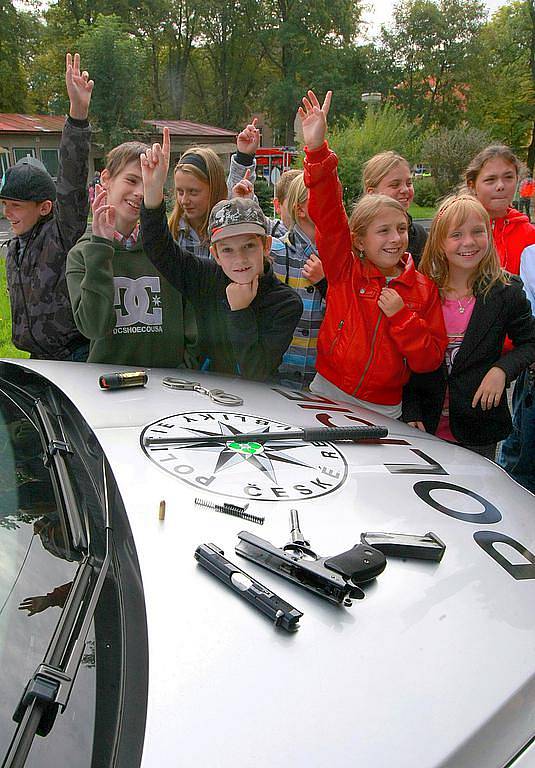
283,470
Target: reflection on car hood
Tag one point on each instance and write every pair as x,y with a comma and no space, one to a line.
435,667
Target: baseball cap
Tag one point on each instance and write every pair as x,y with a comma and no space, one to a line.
238,216
27,180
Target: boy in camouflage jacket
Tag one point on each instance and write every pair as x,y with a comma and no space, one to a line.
47,219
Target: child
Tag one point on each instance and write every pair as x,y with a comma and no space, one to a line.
200,183
492,177
389,174
383,319
280,226
298,265
462,401
245,316
46,220
120,301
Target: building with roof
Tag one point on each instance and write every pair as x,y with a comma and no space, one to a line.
39,136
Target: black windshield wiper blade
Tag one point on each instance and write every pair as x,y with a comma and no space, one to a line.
319,434
55,451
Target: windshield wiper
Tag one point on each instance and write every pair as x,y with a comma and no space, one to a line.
50,686
55,450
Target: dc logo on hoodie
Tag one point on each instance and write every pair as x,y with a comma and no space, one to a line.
137,301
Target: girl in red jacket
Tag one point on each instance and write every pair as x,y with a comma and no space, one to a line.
383,318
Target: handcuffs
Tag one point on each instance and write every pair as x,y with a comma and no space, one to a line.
217,395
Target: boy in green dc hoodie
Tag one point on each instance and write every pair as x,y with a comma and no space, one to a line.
128,310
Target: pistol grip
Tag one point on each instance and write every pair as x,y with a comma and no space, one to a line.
359,564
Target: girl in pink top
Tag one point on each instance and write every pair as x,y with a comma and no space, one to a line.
463,400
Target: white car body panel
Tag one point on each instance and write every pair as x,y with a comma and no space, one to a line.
435,667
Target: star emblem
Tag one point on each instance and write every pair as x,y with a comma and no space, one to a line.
261,456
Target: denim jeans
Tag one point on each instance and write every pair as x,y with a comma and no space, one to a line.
517,452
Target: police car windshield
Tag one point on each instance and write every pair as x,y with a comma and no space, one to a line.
36,568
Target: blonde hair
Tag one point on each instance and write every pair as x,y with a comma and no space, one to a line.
367,208
283,184
297,195
377,167
454,212
214,177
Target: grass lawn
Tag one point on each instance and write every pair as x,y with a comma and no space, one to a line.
417,212
6,347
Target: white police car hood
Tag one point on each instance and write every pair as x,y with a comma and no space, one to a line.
435,667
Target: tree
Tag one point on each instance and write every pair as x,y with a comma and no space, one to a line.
433,43
502,92
355,143
225,71
18,34
447,152
116,64
294,36
167,29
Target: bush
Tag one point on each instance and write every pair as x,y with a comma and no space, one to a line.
448,152
354,143
426,192
264,194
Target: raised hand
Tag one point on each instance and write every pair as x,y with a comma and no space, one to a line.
103,214
243,188
314,119
490,391
79,87
240,295
248,140
154,169
313,269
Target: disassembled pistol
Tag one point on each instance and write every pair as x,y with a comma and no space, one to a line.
336,578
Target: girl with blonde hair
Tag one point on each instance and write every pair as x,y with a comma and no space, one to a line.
199,183
463,400
388,173
383,318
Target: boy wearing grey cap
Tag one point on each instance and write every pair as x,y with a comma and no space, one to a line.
245,316
46,220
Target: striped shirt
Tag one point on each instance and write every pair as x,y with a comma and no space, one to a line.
298,364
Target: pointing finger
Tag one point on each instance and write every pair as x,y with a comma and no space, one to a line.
166,148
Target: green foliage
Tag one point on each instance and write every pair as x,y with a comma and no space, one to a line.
503,88
447,153
6,347
432,44
308,46
354,143
217,62
426,192
18,38
264,194
116,63
222,66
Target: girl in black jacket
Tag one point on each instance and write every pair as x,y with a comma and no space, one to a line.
463,401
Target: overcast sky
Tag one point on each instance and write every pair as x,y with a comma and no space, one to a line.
381,10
